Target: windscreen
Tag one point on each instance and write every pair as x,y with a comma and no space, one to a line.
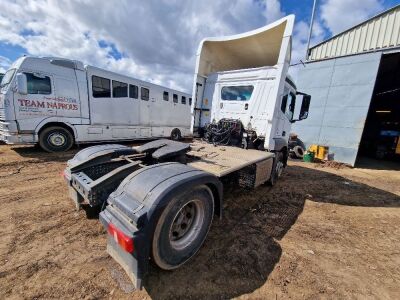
7,78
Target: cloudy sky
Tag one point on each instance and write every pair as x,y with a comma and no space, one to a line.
156,40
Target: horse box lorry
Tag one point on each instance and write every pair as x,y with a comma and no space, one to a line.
158,200
58,102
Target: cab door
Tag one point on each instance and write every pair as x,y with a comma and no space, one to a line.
40,100
286,113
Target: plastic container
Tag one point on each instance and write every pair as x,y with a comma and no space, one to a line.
308,157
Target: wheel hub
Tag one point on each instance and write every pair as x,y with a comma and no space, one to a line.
183,221
57,139
187,224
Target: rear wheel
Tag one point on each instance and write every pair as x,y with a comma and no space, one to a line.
176,135
182,227
55,139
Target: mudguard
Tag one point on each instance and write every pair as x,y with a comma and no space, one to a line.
280,143
139,201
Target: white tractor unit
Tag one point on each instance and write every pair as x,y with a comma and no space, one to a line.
158,200
57,102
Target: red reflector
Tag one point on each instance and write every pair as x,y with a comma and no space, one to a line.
126,242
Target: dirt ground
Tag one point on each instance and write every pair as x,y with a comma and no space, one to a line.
321,232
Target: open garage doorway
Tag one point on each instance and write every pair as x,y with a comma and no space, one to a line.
381,135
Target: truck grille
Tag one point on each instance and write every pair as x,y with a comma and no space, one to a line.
2,114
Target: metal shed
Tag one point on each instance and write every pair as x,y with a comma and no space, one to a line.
354,81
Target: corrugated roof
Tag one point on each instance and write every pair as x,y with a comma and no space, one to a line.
380,32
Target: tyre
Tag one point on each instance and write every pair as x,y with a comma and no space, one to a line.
176,135
277,168
182,227
55,139
298,151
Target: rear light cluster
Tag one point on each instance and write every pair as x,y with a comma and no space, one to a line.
125,241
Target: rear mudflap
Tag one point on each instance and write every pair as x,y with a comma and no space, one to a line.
134,264
126,260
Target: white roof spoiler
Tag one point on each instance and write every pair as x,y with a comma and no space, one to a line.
257,48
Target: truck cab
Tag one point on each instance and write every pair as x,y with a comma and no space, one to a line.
36,92
244,78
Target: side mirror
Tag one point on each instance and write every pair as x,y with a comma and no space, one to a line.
22,84
305,106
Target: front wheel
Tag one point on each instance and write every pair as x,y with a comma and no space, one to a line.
182,227
56,139
277,168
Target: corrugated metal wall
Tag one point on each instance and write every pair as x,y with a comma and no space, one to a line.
380,32
341,91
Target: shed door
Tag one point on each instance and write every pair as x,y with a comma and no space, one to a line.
341,91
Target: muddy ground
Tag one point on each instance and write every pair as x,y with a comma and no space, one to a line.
319,233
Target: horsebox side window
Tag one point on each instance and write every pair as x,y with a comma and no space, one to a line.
175,98
183,100
144,94
120,89
190,101
166,96
101,87
133,91
38,84
237,93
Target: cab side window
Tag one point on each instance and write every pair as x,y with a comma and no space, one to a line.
284,103
38,84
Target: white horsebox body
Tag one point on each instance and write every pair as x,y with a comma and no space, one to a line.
94,104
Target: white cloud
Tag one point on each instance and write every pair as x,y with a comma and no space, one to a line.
158,39
4,64
273,11
338,15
